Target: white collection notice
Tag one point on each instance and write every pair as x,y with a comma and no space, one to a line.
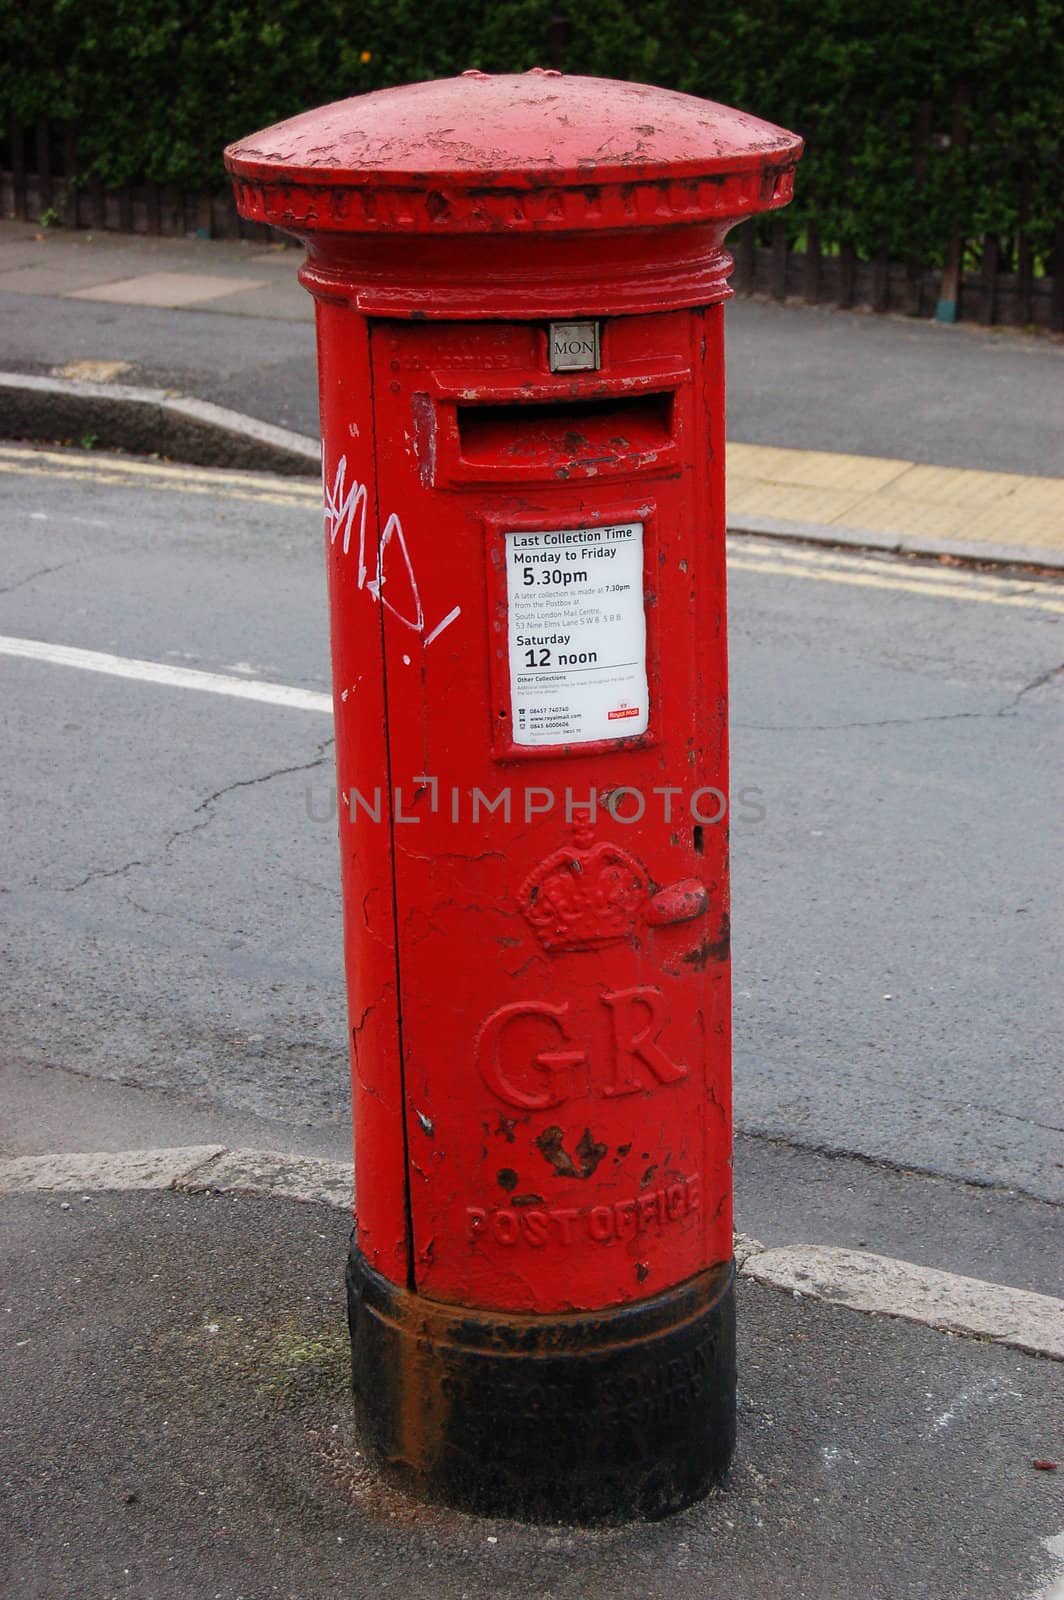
577,634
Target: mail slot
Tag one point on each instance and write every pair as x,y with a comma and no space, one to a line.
540,438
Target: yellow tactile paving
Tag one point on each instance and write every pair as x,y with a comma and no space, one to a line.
816,469
883,495
955,486
1039,494
1010,523
887,513
794,502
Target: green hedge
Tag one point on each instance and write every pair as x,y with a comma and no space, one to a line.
156,88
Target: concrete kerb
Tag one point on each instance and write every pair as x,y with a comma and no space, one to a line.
858,1280
971,552
150,422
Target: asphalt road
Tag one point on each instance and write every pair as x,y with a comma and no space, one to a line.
172,936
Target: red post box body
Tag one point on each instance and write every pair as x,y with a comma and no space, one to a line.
519,288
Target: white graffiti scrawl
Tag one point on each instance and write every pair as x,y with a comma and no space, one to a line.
344,503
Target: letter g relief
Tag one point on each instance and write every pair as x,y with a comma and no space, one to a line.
552,1063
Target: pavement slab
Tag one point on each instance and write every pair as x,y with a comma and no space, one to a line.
171,289
179,1423
861,495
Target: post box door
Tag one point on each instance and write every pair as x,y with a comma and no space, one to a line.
549,573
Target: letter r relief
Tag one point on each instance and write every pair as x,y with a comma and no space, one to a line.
637,1016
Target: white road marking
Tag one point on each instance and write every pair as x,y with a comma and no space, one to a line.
271,694
312,1179
768,558
82,522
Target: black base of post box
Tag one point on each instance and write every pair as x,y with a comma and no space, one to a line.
590,1417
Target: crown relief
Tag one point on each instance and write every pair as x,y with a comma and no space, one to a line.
587,895
584,895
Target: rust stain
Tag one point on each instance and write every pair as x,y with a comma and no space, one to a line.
550,1145
588,1153
710,949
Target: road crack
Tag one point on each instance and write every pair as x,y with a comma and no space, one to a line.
1007,710
884,1163
1036,683
881,722
180,916
91,877
42,572
207,806
265,777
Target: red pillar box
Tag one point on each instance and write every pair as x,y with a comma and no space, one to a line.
519,286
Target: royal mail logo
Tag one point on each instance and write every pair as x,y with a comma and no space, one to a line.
622,711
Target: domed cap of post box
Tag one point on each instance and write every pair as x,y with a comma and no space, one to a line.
524,156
